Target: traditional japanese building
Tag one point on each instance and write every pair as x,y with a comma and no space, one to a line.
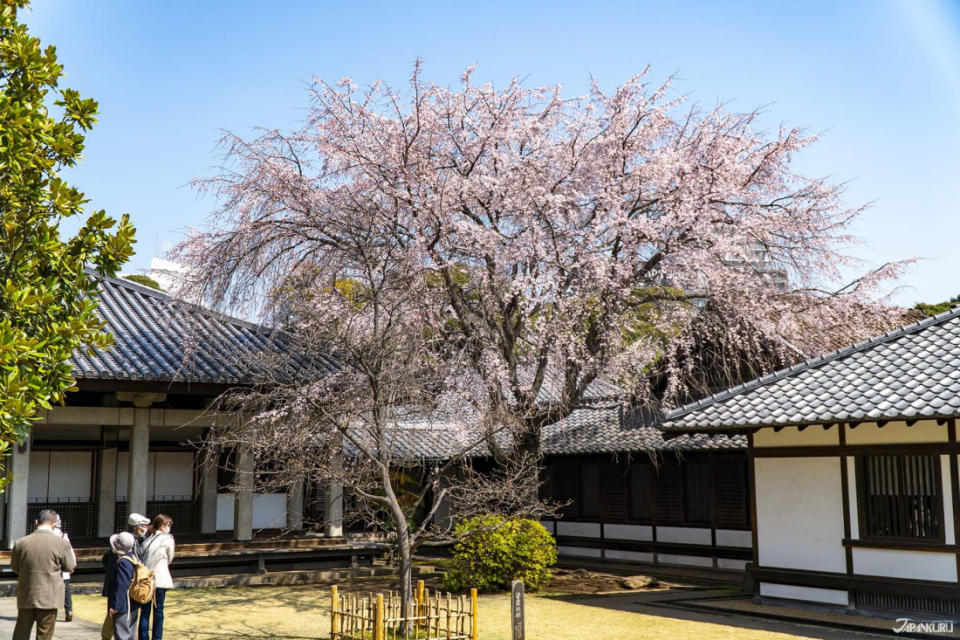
628,495
853,468
124,442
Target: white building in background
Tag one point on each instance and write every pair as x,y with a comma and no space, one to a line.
854,471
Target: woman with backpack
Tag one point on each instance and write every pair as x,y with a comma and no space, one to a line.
157,555
122,608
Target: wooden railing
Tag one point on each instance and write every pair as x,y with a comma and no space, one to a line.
377,617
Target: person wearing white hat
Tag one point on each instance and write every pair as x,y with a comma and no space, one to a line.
138,527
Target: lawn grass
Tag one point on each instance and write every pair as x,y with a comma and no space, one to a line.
301,612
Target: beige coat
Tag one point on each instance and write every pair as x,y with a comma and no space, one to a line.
38,560
157,555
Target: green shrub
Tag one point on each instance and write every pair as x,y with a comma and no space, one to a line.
492,551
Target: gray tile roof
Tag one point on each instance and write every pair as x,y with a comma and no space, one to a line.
588,430
161,340
908,373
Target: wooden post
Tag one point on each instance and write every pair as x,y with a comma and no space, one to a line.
378,619
473,614
334,604
516,610
418,608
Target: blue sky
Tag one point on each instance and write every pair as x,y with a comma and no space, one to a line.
880,79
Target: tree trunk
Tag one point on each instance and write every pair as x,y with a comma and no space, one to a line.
403,545
406,581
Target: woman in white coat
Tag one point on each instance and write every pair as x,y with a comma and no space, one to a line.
157,555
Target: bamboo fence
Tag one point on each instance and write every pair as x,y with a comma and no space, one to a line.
433,616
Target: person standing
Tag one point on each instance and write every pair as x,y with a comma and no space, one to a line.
122,610
39,560
138,527
67,596
157,555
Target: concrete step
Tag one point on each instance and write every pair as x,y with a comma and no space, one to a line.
8,588
93,549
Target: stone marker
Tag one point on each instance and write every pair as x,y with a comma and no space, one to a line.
516,609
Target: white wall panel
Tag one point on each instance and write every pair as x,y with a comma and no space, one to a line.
695,561
581,552
683,535
123,463
269,510
734,538
224,512
37,480
582,529
948,533
852,498
173,473
55,475
809,594
548,525
800,513
628,532
629,556
70,474
895,563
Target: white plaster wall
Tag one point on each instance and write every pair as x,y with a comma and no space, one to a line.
852,498
897,433
793,437
800,513
70,474
224,511
810,594
580,552
895,563
734,538
695,561
949,535
56,475
172,474
269,511
38,475
582,529
629,556
684,535
628,532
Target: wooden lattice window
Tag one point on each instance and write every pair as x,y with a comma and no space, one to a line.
900,497
697,487
589,491
730,486
641,491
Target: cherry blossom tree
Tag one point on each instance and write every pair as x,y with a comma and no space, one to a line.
556,242
360,396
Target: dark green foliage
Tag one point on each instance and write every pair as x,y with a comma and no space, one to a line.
47,299
146,281
492,551
939,307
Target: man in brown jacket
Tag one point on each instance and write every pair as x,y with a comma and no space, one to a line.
39,560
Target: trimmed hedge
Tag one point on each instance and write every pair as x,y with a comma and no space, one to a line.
492,551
